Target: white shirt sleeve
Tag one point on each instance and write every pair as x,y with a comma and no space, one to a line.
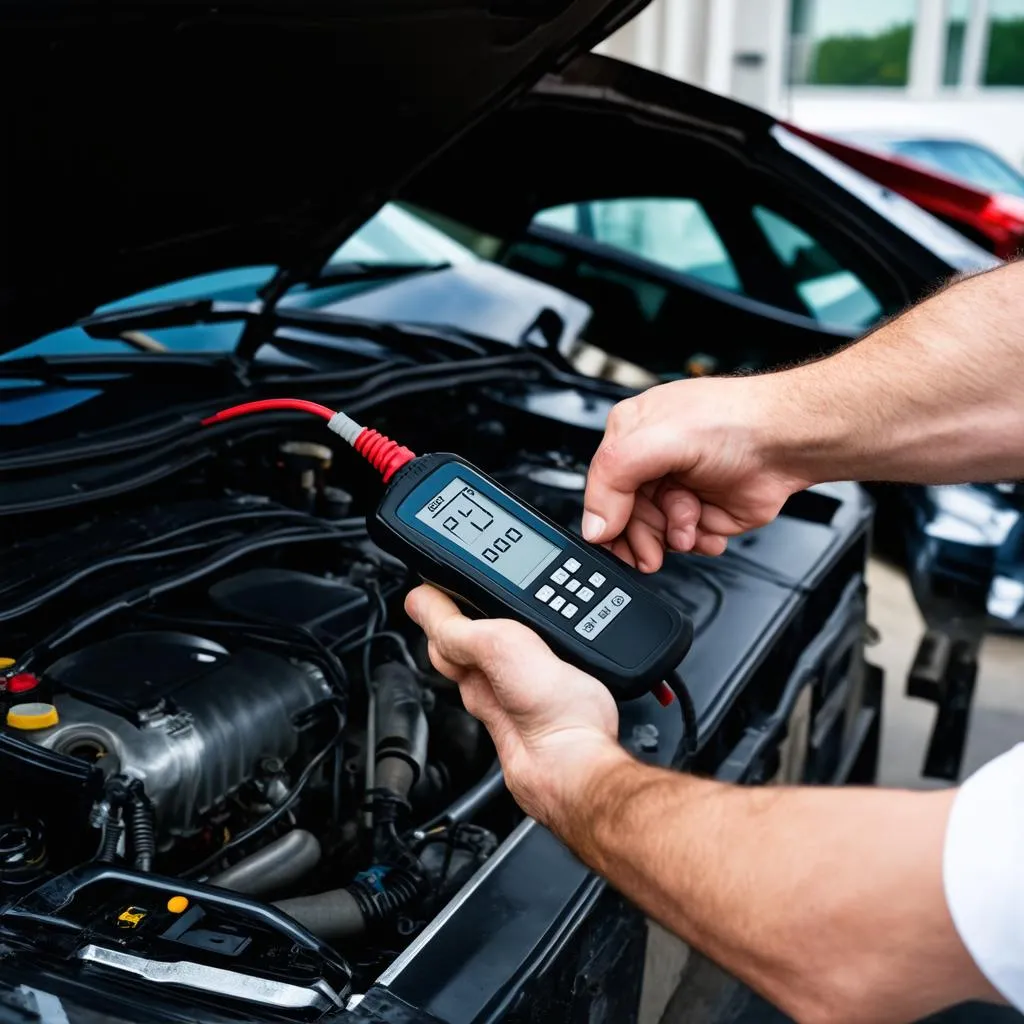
983,871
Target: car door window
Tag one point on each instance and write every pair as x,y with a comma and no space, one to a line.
831,292
672,232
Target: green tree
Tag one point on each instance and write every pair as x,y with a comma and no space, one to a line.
1005,63
855,59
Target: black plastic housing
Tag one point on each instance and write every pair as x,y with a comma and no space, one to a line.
637,650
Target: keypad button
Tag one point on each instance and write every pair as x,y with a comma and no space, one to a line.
597,580
585,594
557,603
595,621
545,593
572,586
559,576
569,610
571,565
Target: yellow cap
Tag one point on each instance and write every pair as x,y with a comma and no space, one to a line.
32,716
177,904
6,663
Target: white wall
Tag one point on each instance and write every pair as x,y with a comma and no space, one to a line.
739,48
994,117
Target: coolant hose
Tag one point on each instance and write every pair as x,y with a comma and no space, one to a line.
465,807
329,915
275,866
401,751
350,912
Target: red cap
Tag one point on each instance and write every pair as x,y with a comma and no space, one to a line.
663,692
22,682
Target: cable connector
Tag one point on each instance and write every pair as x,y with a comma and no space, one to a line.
386,456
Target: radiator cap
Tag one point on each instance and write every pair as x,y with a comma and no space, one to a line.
32,716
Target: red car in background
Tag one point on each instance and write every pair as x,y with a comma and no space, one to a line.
993,219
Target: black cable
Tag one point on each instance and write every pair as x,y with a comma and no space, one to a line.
265,513
42,596
136,554
464,807
371,628
381,603
145,593
278,812
381,634
678,686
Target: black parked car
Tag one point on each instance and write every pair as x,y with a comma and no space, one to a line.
207,670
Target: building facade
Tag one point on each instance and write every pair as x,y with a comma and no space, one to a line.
951,68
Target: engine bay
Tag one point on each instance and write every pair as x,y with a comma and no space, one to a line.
215,682
229,768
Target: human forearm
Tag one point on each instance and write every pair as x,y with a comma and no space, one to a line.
829,902
933,396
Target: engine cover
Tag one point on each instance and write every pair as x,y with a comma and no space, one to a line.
186,716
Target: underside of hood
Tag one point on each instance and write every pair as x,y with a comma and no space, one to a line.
153,141
598,128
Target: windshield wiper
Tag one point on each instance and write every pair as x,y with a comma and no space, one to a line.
186,313
358,270
76,370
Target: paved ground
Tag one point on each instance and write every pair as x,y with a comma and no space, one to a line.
996,724
997,721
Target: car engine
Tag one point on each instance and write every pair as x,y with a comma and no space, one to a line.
185,717
223,745
214,682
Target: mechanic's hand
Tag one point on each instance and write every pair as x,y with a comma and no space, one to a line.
684,467
552,724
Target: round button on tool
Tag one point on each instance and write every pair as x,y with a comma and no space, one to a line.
32,716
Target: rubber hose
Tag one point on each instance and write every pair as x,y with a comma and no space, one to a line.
275,866
352,911
112,831
142,831
330,915
465,807
402,731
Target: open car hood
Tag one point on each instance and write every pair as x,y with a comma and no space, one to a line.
155,141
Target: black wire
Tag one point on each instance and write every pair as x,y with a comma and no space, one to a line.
371,628
278,812
381,634
381,603
678,686
42,596
136,554
145,593
276,513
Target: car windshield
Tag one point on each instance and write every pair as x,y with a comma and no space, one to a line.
394,237
965,160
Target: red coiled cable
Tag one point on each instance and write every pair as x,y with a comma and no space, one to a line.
386,456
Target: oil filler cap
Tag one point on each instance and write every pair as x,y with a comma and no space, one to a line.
32,716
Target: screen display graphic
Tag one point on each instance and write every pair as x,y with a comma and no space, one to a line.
488,533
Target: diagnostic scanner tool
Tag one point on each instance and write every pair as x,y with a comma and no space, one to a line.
462,531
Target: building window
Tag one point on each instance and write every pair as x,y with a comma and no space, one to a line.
1004,61
834,42
957,13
